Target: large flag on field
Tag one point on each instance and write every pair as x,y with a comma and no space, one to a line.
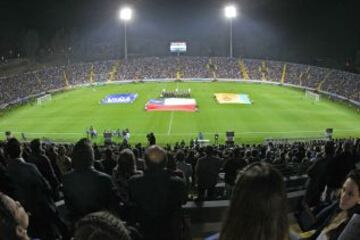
232,98
171,104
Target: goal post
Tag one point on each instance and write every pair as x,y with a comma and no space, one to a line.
312,95
42,99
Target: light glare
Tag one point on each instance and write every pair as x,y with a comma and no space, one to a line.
230,11
125,14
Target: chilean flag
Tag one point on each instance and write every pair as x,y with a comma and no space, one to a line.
171,104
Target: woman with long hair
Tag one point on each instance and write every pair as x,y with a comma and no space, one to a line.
123,171
258,206
349,204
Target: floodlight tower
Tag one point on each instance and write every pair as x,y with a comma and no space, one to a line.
230,13
125,16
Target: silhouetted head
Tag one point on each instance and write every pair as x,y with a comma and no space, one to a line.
13,148
14,221
101,226
155,158
258,206
83,155
35,145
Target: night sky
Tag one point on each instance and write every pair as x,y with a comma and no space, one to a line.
297,30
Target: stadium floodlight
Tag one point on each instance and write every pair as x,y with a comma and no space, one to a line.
125,16
230,13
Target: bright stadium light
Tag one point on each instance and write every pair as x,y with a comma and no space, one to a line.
230,13
125,16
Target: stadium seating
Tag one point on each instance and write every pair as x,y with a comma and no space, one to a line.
19,87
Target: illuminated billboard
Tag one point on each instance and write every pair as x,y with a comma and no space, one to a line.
178,47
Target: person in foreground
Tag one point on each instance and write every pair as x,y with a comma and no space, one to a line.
101,226
14,221
87,190
157,196
333,220
258,206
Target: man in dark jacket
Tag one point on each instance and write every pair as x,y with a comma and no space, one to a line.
207,170
5,181
34,193
158,196
87,190
42,162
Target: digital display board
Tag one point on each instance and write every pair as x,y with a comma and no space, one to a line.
178,47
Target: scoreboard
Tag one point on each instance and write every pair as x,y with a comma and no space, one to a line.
178,47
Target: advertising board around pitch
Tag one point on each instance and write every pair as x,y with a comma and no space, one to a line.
122,98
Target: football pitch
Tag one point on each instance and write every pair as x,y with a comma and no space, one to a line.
276,112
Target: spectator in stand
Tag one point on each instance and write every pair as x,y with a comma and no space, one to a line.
87,190
124,170
2,155
63,161
158,196
5,182
339,167
109,162
43,163
101,225
172,167
258,206
318,174
231,167
140,164
184,167
332,220
34,193
207,170
14,221
52,154
192,160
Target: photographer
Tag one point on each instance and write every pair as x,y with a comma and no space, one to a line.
151,138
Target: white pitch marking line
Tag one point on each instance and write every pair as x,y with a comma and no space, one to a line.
189,133
170,122
172,115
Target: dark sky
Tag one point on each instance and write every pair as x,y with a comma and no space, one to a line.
264,29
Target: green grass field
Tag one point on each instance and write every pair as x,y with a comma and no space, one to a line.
277,112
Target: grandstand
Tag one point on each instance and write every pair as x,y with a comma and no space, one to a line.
338,84
194,69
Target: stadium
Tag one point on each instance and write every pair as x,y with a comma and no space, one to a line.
161,130
268,84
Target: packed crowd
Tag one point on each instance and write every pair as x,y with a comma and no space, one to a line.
145,187
20,86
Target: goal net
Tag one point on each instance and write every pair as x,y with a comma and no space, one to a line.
42,99
313,96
